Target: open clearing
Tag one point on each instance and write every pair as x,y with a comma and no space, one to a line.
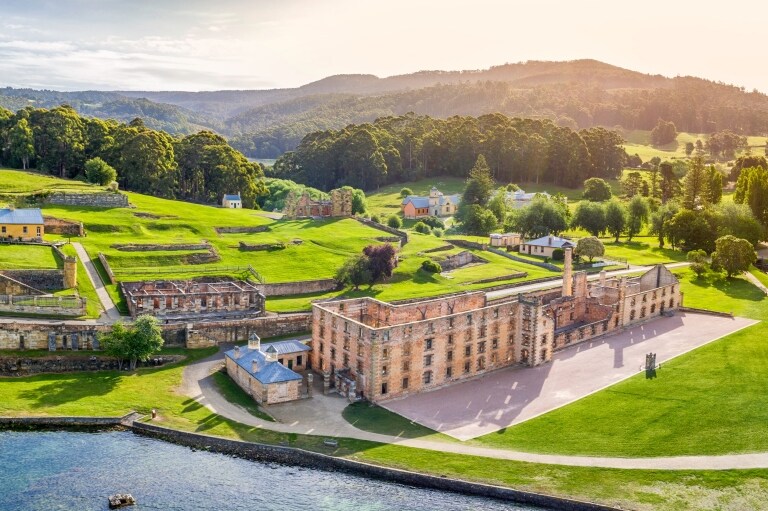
511,396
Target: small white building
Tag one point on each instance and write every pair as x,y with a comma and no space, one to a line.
508,239
545,245
232,201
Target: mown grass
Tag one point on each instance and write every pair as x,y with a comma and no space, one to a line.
23,257
369,417
21,182
642,251
234,394
709,401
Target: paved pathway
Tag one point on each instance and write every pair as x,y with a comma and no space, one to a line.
756,282
509,396
111,314
197,383
524,288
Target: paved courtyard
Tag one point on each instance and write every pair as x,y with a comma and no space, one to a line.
513,395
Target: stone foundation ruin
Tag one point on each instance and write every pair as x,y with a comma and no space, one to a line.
302,206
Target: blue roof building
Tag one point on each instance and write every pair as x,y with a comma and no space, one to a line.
23,224
545,246
436,204
232,201
267,374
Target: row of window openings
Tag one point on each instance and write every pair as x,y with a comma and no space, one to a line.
24,230
653,309
427,377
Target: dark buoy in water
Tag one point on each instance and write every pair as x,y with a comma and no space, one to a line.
119,500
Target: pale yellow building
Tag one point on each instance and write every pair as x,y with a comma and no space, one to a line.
23,224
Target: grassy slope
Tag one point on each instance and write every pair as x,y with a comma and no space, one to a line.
20,182
707,402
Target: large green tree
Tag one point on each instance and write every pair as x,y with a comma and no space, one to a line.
734,255
615,218
21,142
596,189
135,343
637,216
752,189
590,216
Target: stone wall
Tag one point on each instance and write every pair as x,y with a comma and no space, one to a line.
203,335
24,366
96,200
107,268
43,305
370,223
43,280
458,260
298,288
318,461
241,230
11,286
150,247
55,225
44,423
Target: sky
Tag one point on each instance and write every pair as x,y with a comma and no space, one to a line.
260,44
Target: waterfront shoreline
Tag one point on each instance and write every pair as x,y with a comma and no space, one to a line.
297,457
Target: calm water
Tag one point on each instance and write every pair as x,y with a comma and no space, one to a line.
50,471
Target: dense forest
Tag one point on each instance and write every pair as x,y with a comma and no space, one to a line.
199,167
577,94
408,147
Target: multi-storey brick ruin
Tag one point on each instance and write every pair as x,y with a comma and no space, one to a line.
378,351
302,205
193,299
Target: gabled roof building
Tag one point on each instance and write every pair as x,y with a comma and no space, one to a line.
436,204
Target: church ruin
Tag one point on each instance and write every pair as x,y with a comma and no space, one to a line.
303,206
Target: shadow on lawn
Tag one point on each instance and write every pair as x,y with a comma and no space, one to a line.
66,390
733,287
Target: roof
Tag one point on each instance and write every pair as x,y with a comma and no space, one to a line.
21,216
550,241
449,198
505,235
288,347
267,372
231,197
418,202
520,195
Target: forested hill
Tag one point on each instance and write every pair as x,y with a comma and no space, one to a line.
577,94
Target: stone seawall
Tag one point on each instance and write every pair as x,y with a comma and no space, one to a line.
317,461
47,423
96,200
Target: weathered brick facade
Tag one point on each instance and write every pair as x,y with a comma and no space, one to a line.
382,351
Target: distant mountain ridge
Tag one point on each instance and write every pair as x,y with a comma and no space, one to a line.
578,94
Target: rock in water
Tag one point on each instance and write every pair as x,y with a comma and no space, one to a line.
121,500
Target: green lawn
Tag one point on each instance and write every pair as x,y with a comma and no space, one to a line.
760,275
19,182
22,257
369,417
709,401
642,251
234,394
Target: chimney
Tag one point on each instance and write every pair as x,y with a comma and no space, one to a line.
254,366
550,240
254,342
567,272
237,352
602,278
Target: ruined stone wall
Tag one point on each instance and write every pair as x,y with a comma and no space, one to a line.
97,200
203,335
43,280
298,288
647,304
10,286
55,225
24,366
461,259
35,336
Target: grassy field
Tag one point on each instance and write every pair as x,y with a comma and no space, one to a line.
14,182
709,401
21,257
375,419
639,142
642,251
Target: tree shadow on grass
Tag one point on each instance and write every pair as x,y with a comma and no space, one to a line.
733,287
67,390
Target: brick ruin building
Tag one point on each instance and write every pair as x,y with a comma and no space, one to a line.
302,205
370,349
193,299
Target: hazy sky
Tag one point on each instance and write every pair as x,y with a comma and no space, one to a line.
253,44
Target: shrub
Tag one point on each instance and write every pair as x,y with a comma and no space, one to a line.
113,186
438,232
394,222
558,254
375,218
422,228
431,266
433,221
405,192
